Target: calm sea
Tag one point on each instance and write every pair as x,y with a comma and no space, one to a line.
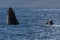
31,24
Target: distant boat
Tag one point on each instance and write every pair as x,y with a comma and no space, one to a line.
50,22
11,18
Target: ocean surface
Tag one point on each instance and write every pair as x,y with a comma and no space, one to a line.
31,24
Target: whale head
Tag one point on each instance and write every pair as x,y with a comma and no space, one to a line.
11,18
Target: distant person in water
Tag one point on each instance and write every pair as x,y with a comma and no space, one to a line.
50,22
11,18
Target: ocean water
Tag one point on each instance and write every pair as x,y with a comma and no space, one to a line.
31,24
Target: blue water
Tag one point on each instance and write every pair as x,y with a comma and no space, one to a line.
31,25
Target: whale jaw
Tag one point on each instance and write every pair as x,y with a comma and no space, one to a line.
11,18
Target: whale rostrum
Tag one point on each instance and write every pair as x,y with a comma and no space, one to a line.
11,18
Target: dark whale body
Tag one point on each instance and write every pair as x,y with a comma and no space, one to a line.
11,18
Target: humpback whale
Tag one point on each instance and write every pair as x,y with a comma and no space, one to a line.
11,18
50,22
